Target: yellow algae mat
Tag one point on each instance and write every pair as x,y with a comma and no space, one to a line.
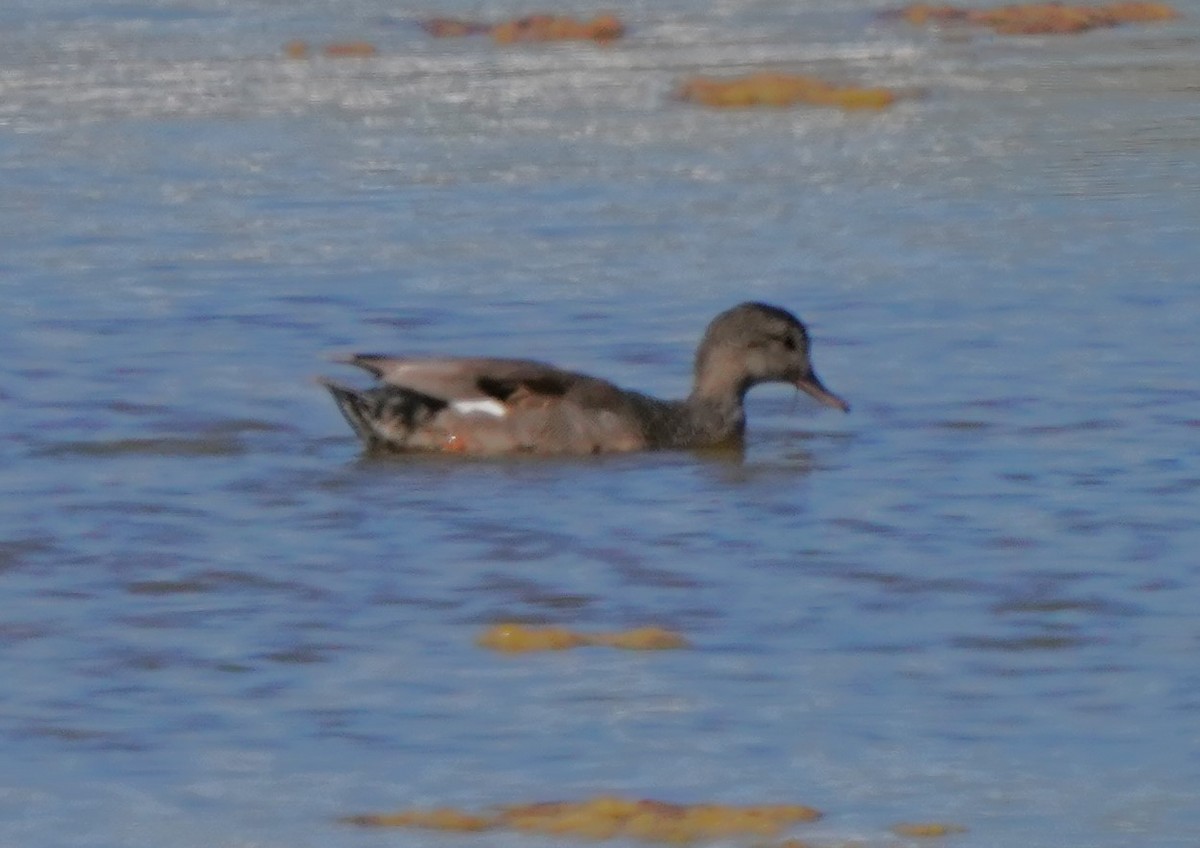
646,820
609,817
538,27
513,638
1040,18
767,88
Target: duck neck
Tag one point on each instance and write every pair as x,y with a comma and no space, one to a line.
715,407
722,387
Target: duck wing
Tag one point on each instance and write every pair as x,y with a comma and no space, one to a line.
465,379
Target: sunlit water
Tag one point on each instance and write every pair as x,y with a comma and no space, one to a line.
971,600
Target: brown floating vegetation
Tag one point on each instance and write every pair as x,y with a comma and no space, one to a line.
296,49
439,818
453,27
609,817
335,50
602,29
927,830
513,638
776,89
349,49
1040,18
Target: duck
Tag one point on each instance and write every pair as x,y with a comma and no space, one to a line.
492,407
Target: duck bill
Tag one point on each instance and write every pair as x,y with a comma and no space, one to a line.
812,386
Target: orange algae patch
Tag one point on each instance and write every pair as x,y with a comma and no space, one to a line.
452,27
927,830
609,817
441,818
1136,12
517,638
603,28
513,638
1041,18
540,27
349,49
296,49
774,89
606,817
336,50
920,14
642,639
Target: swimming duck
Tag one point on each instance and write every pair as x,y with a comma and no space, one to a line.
504,406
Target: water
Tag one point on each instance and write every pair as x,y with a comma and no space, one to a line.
971,600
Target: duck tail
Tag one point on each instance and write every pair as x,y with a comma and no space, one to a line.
386,416
356,408
373,363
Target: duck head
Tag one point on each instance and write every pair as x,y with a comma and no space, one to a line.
756,343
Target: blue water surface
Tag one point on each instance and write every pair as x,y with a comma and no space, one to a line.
972,600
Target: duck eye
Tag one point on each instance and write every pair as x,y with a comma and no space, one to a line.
789,343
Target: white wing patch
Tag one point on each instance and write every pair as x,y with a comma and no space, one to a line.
486,406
